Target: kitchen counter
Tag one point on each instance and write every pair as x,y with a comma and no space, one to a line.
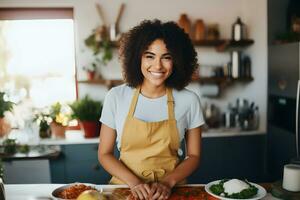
29,191
76,137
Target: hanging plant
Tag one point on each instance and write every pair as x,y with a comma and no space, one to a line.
100,44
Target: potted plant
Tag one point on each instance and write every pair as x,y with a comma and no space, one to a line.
5,106
60,120
91,70
43,120
88,111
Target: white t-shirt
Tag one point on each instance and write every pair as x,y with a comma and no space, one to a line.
188,112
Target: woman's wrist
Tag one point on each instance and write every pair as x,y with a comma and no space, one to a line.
134,182
168,181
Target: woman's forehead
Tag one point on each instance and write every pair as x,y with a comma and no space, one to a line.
157,45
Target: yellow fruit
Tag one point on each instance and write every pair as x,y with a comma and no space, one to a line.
91,195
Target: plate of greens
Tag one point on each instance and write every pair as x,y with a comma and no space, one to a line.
229,189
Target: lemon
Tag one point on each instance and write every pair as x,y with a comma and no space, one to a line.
91,195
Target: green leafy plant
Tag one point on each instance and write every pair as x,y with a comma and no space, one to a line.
86,109
4,105
100,44
10,146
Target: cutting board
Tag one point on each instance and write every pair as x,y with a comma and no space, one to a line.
178,193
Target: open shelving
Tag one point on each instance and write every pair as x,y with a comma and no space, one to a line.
221,45
107,83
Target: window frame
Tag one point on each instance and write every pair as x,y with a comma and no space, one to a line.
28,13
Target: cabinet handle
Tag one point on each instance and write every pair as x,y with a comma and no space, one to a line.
297,119
96,167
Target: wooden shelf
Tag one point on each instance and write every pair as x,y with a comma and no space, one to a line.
231,45
208,43
220,44
107,83
224,44
221,80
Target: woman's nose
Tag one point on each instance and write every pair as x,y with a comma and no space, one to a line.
158,64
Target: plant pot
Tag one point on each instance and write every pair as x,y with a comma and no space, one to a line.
91,128
45,133
91,75
57,130
4,127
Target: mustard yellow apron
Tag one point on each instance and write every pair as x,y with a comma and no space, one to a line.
149,149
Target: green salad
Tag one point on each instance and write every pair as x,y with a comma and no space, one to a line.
246,193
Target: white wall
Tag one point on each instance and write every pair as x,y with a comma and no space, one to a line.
223,12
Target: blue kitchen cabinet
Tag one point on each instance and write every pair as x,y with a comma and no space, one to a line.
78,163
240,157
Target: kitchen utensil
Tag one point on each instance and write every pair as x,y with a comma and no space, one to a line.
212,115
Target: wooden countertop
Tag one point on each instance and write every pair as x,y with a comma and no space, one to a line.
27,191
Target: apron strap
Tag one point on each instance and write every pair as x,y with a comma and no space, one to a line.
170,104
134,101
170,101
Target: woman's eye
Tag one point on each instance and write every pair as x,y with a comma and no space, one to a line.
167,58
149,56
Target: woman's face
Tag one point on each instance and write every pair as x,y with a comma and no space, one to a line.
157,64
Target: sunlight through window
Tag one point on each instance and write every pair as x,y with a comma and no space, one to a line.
37,60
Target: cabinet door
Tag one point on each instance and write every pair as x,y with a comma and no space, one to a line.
86,172
281,149
82,165
78,163
231,157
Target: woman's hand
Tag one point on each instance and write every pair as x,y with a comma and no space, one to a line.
159,191
141,191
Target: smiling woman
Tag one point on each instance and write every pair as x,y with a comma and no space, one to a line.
38,55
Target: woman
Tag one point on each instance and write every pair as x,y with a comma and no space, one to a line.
152,113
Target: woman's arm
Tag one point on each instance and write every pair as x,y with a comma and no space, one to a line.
191,162
162,190
115,167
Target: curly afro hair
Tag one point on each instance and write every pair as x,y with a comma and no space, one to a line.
138,39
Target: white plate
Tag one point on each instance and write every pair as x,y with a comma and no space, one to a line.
260,193
59,189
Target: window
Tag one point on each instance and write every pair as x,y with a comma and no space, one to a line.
37,55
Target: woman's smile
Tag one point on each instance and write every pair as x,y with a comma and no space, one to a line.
157,74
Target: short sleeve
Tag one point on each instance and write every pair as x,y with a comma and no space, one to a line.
109,110
195,115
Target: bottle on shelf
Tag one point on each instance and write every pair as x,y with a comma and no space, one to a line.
235,64
199,30
238,30
246,67
185,23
